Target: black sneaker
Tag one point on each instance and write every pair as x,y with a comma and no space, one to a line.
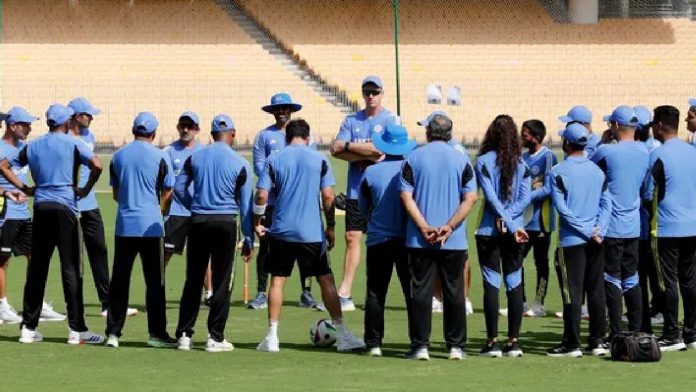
207,300
512,350
162,342
599,349
491,350
564,352
675,344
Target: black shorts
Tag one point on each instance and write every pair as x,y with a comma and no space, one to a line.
312,258
16,238
355,221
176,230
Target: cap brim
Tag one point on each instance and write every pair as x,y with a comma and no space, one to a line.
561,132
607,117
394,149
565,119
94,112
3,116
294,107
423,123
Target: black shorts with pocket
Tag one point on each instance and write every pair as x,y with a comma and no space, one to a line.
16,237
312,257
176,230
355,221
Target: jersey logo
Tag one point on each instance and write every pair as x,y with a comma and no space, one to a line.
535,170
272,141
377,128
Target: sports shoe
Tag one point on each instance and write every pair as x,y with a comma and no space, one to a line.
599,349
348,342
48,314
456,354
437,305
269,344
112,341
512,350
8,314
419,354
27,335
657,319
185,343
469,307
559,315
667,345
162,342
307,300
375,352
85,337
259,302
129,312
347,304
491,350
217,347
564,352
536,309
584,313
691,344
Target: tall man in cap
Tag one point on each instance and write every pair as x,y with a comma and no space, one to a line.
386,231
17,227
53,160
354,144
691,120
302,181
91,222
142,180
222,189
269,141
438,190
621,242
581,198
582,115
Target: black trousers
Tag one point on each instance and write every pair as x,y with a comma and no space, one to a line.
214,238
92,227
54,226
493,252
262,256
652,297
151,253
424,264
540,242
678,264
621,282
580,270
381,260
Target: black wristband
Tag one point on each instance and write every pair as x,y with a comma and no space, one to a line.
331,223
346,146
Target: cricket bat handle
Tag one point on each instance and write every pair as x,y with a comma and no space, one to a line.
245,289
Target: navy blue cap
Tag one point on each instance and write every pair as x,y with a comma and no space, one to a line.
577,113
145,122
575,133
623,115
81,105
19,114
193,116
394,141
279,100
374,79
58,114
222,123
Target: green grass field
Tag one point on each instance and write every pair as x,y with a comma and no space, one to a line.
299,366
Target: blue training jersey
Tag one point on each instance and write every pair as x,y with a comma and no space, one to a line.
89,202
438,176
178,154
581,197
511,210
141,172
359,128
540,215
626,165
13,210
296,175
671,188
54,160
380,202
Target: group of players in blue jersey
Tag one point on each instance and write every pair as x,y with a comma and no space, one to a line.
621,203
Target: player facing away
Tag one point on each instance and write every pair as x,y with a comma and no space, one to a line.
542,219
386,230
505,181
53,160
269,141
302,182
222,190
141,179
438,190
353,144
673,186
581,197
582,115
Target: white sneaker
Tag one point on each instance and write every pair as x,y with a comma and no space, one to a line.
269,344
185,343
348,342
129,312
86,337
503,312
218,347
584,313
375,352
419,354
27,335
559,315
469,307
691,345
657,319
112,341
535,310
9,315
347,304
456,354
437,305
48,314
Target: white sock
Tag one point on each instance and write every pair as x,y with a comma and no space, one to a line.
3,301
273,328
340,326
208,293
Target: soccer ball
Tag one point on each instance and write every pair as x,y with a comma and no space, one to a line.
322,333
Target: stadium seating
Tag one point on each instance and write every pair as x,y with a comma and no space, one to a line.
507,56
163,56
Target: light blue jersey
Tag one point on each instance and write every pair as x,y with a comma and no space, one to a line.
178,154
540,215
14,210
89,202
380,202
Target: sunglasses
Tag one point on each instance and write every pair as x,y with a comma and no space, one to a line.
371,93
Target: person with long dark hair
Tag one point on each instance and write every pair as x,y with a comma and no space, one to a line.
506,182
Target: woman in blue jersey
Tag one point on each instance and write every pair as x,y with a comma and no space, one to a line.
505,182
